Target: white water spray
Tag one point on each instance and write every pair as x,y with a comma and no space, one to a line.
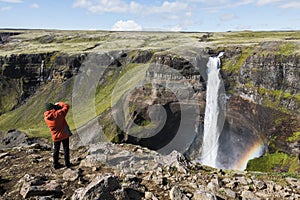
211,130
41,78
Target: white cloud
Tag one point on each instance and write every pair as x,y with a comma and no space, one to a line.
35,6
81,3
135,7
292,4
287,4
189,14
264,2
5,8
176,28
168,7
243,2
128,25
174,17
224,3
101,6
216,6
166,12
12,1
210,1
118,6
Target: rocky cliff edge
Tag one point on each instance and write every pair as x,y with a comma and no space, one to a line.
123,172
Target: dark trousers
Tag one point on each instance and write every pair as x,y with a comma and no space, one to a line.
56,145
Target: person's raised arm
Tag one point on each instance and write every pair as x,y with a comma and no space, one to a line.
64,107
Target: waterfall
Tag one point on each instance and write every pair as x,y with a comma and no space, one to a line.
212,113
41,78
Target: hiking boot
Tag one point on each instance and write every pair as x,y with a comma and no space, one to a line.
69,165
57,166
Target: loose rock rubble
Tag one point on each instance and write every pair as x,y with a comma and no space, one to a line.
125,172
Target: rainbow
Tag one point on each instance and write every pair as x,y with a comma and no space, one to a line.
253,151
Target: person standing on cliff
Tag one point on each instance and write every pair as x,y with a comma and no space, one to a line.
55,119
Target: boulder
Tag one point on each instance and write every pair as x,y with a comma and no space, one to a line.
15,139
77,193
150,196
230,193
177,194
204,195
177,160
260,185
3,155
295,183
242,180
36,186
70,175
133,194
247,195
213,187
120,194
128,161
102,187
263,195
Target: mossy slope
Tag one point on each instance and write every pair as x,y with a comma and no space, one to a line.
278,161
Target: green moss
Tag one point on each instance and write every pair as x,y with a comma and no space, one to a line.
287,49
276,94
294,166
295,137
234,64
9,99
296,96
53,58
29,116
110,129
274,162
273,98
271,142
250,85
221,192
145,123
115,86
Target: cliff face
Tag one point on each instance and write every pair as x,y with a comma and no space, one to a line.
269,98
159,98
271,79
22,75
169,105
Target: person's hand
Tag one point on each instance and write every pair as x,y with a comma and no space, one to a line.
57,107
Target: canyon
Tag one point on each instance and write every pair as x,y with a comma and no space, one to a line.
149,89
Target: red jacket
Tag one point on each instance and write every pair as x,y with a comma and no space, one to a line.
55,119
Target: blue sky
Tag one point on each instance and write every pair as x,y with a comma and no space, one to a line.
147,15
